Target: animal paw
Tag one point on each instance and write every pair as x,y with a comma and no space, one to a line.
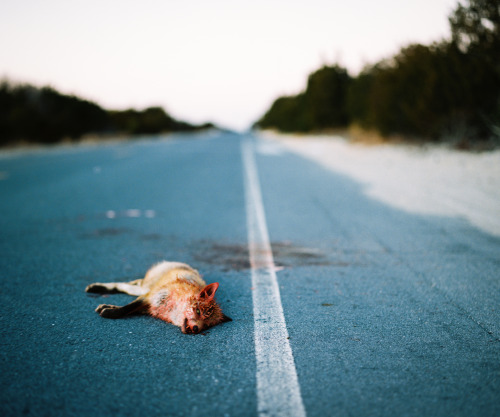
101,309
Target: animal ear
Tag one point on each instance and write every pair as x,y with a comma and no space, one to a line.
208,292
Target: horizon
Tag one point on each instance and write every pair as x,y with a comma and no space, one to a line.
216,62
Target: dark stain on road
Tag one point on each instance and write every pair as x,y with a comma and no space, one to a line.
231,256
106,232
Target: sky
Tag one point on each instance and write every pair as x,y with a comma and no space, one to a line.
223,61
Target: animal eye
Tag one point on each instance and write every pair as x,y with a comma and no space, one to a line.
198,311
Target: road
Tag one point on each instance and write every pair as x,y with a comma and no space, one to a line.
384,312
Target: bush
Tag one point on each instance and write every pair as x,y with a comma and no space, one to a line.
323,105
43,115
447,90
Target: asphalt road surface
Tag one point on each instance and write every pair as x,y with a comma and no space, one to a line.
374,311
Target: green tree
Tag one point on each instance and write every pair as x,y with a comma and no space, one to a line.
47,116
445,90
323,105
285,114
409,94
149,121
358,98
44,115
475,28
326,98
449,89
476,25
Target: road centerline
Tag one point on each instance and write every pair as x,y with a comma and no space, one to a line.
278,390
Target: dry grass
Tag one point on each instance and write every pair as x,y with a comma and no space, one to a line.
357,134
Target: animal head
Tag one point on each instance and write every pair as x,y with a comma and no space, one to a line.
203,312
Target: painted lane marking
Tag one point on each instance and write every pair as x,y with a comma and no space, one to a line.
132,213
278,390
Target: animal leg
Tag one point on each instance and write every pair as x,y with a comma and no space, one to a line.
115,312
131,288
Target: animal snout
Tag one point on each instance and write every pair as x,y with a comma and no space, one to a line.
188,329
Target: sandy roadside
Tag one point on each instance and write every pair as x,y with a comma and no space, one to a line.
431,180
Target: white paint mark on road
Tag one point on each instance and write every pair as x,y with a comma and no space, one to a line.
132,213
278,390
150,214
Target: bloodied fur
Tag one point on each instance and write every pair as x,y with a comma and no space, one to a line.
171,291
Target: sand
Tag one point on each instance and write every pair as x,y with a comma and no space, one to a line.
431,179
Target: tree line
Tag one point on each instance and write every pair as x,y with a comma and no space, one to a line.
44,115
449,90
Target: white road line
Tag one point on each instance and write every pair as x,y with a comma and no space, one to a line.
278,390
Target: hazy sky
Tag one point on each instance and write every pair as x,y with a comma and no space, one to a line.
220,60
